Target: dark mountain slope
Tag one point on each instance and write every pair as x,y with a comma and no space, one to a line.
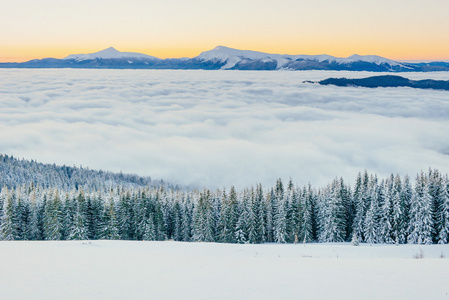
388,81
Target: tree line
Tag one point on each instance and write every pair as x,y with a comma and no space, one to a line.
390,210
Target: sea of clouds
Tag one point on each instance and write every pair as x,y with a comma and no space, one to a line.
222,128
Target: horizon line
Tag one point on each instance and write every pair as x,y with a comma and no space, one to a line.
28,58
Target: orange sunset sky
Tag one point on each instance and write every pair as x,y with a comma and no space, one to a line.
396,29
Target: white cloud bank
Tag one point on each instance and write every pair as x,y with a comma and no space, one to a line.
217,128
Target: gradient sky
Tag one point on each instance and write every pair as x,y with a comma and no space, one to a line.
397,29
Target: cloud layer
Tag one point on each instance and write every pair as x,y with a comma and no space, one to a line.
217,128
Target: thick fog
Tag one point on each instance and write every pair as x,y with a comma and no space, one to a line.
222,128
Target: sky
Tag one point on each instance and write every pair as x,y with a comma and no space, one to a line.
220,128
396,29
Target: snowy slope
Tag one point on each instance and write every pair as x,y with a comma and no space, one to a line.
223,53
109,53
174,270
368,58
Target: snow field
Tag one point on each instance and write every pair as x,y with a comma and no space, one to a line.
175,270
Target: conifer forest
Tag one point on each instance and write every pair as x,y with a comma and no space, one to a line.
49,202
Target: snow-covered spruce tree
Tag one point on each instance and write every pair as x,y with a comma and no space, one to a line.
406,200
332,214
8,231
361,202
426,235
3,195
94,215
228,216
257,217
53,218
372,218
398,225
355,239
68,211
165,225
369,228
239,233
436,192
186,218
251,223
22,216
293,213
125,216
177,230
308,219
141,211
42,207
443,235
79,230
260,209
35,232
279,217
385,211
242,226
149,229
415,221
223,227
158,218
216,216
110,228
357,226
348,208
421,213
269,215
202,218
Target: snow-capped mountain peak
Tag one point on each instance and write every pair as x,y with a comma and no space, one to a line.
223,53
109,53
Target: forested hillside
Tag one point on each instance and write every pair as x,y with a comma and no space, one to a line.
44,202
15,173
388,81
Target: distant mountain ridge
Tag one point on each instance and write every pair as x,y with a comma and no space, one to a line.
109,53
235,57
225,58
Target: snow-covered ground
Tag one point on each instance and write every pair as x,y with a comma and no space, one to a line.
174,270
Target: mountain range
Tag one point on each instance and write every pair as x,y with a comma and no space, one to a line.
225,58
